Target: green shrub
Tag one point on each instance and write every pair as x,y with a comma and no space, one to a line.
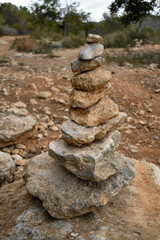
135,59
126,37
30,45
73,42
44,47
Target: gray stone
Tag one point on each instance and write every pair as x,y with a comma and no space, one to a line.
76,134
7,167
79,66
91,51
93,38
13,127
95,162
64,195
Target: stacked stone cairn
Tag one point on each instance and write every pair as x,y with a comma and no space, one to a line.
86,170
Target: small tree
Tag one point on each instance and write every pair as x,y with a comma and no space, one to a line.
73,20
133,10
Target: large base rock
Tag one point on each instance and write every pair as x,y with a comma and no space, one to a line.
133,214
95,162
102,111
64,195
78,135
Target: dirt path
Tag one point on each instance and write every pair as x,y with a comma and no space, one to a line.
132,88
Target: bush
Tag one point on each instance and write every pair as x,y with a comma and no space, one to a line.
73,42
44,47
121,39
30,45
24,45
135,59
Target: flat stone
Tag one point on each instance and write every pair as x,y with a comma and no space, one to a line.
20,104
79,66
102,111
84,99
17,112
76,134
7,167
91,51
95,162
12,127
64,195
44,95
93,38
91,80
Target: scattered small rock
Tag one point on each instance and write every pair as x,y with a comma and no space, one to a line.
44,95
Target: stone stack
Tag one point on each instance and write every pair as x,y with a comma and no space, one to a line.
86,171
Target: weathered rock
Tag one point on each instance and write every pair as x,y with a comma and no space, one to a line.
91,51
64,195
17,112
102,111
95,162
133,214
44,95
84,99
91,80
93,38
76,134
13,127
79,66
7,167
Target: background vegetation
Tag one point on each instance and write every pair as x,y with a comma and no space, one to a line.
47,21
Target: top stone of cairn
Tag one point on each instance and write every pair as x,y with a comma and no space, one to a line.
93,38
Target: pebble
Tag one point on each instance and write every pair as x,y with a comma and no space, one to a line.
15,151
55,128
40,136
54,89
20,104
21,146
33,101
33,150
157,91
48,113
44,95
50,124
141,112
20,162
128,131
156,138
6,150
16,157
142,123
23,153
133,148
33,86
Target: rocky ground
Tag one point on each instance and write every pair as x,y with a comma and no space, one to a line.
41,85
